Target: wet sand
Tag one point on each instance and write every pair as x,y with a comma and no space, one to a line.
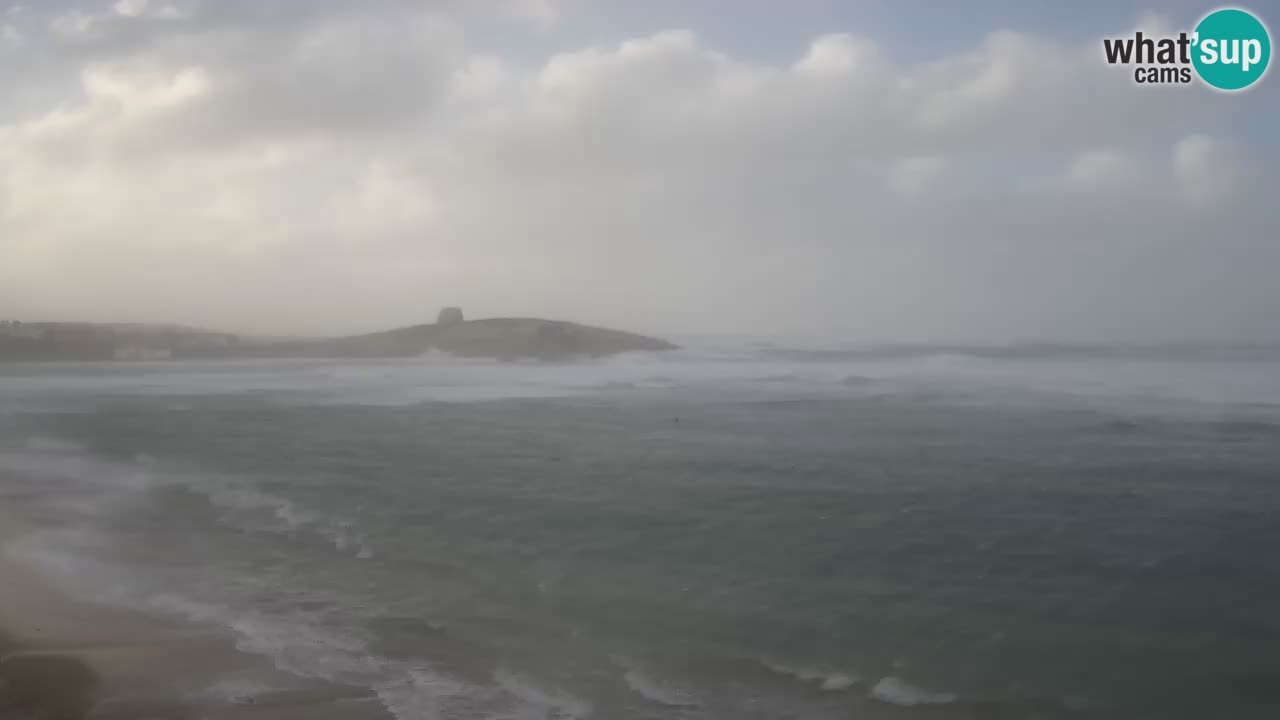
56,686
65,660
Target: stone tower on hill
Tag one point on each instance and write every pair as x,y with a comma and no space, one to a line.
449,316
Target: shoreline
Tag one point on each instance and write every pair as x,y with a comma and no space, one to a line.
39,675
65,659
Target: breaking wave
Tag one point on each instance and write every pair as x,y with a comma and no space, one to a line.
895,691
249,507
552,703
651,689
825,679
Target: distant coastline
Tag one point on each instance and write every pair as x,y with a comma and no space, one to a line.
531,338
502,338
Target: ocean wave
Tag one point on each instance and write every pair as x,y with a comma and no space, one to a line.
328,643
63,473
421,695
289,516
303,648
551,703
657,692
646,686
833,680
896,691
307,648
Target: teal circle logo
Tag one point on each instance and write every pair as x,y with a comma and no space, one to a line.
1231,49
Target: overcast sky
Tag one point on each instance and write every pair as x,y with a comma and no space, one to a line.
861,169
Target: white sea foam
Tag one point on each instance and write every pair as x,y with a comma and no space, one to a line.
232,495
344,536
326,646
303,648
825,679
661,693
648,687
296,644
839,681
899,692
546,702
418,695
89,485
250,507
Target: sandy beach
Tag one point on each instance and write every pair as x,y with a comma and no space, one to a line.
63,660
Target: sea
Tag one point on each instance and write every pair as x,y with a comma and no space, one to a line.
734,530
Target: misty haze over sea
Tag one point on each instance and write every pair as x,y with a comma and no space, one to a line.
723,531
653,359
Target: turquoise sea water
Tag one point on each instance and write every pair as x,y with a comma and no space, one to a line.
718,533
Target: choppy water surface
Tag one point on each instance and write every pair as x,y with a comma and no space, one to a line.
727,533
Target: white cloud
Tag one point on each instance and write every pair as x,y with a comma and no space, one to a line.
10,38
147,9
840,54
1103,171
915,175
72,25
1209,170
540,13
348,168
130,8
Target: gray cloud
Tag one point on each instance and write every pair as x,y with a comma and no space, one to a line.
334,166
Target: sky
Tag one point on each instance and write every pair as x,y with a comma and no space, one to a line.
862,170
